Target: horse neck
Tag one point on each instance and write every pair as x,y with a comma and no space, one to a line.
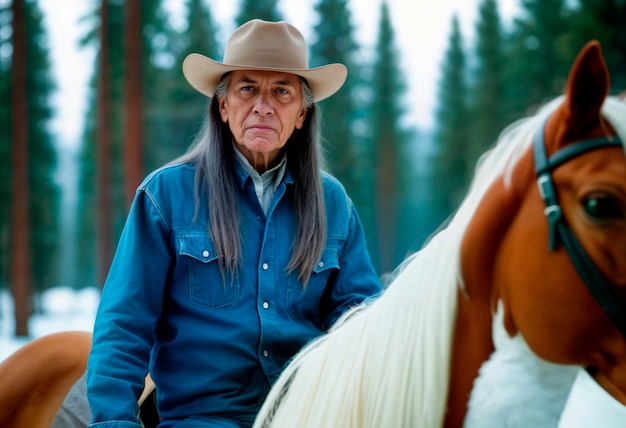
472,340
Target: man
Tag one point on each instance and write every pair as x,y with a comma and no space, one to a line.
236,254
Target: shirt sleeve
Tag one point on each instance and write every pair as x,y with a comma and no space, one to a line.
129,309
356,279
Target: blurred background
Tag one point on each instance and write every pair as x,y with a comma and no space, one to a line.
93,99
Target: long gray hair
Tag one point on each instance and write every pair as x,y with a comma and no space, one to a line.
213,154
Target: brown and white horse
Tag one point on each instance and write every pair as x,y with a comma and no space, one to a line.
518,296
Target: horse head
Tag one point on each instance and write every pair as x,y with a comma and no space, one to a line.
571,186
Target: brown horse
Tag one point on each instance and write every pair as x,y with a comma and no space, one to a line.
522,293
35,379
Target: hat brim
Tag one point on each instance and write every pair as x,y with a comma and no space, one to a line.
204,73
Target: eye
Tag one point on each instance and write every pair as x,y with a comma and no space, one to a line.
603,207
247,88
282,91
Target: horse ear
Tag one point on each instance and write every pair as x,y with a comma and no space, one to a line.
587,87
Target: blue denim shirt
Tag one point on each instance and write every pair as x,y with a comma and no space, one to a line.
213,349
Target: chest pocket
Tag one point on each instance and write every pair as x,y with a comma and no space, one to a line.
305,303
207,288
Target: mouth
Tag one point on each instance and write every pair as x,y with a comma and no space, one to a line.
260,128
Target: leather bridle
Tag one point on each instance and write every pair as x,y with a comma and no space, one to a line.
559,231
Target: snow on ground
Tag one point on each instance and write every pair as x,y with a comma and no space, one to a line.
63,308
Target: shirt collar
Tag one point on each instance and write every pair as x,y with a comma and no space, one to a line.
244,170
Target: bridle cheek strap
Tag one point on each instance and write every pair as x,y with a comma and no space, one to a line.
559,231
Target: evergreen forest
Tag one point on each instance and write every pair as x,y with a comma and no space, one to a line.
404,180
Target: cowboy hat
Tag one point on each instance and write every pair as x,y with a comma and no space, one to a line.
262,45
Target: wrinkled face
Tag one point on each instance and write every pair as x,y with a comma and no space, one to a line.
262,110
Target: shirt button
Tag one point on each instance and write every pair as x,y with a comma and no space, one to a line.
321,264
265,266
266,305
205,253
266,354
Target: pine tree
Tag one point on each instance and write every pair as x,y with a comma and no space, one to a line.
44,190
258,9
604,21
389,145
155,63
104,147
21,282
35,195
539,55
133,100
450,168
102,207
159,69
86,212
487,91
86,205
5,145
345,129
186,106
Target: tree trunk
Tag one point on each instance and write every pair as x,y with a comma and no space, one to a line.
20,241
134,112
386,190
104,151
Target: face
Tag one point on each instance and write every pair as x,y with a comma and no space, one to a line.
262,110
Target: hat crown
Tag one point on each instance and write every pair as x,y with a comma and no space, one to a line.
265,44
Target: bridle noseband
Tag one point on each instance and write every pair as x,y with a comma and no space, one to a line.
601,289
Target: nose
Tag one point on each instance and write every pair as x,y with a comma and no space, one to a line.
263,104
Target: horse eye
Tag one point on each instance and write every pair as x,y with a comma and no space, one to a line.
603,207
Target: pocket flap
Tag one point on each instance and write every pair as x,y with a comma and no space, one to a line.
198,246
329,260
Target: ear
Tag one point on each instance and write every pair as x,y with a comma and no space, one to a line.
223,108
301,117
586,88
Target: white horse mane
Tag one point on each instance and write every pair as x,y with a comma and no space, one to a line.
387,363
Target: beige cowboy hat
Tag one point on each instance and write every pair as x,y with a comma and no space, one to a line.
262,45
